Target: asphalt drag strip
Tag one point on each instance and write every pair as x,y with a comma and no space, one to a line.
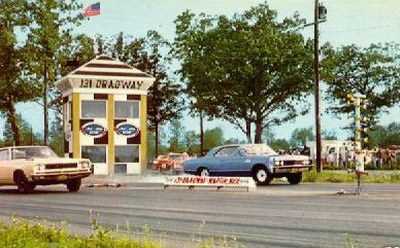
273,216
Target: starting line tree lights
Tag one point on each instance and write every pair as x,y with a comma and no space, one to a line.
360,120
105,115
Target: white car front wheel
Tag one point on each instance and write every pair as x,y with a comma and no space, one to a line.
24,186
74,185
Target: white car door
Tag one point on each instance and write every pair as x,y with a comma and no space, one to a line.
4,165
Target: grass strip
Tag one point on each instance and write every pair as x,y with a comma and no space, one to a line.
24,234
345,177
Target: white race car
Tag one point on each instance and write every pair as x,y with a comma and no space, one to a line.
28,166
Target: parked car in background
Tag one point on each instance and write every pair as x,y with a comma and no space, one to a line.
249,160
171,161
28,166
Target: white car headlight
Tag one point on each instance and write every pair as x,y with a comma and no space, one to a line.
85,165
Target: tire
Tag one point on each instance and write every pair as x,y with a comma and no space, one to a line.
203,172
23,184
261,175
295,178
74,185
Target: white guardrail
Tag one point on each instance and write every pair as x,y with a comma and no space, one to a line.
217,182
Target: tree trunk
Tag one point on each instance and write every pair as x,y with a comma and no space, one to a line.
248,131
156,140
32,136
258,133
45,107
201,133
12,119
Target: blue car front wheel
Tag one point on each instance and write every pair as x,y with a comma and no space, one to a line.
203,172
261,175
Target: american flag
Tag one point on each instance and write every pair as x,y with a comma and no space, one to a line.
92,10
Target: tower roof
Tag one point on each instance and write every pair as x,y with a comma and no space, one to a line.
105,66
104,74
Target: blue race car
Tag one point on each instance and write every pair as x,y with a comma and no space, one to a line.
249,160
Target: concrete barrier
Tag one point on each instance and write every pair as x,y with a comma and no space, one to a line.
99,185
211,182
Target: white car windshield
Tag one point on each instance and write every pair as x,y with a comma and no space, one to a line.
258,149
33,152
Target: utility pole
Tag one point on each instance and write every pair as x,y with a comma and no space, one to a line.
45,105
316,87
31,135
201,133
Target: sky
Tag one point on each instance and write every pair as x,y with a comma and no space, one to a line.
349,21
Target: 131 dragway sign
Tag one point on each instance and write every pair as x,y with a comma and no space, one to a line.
111,84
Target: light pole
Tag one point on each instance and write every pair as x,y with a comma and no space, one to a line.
316,87
320,13
319,16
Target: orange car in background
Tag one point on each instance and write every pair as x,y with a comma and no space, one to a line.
170,161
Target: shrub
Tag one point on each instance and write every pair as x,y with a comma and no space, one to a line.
24,234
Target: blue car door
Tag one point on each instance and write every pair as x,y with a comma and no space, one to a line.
220,164
237,164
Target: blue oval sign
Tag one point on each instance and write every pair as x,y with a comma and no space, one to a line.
126,129
93,129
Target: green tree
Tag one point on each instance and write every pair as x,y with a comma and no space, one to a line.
329,135
27,136
280,144
75,51
191,142
56,136
268,136
385,136
300,136
373,72
14,87
234,141
176,138
151,144
275,143
261,82
101,44
213,137
164,104
52,21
